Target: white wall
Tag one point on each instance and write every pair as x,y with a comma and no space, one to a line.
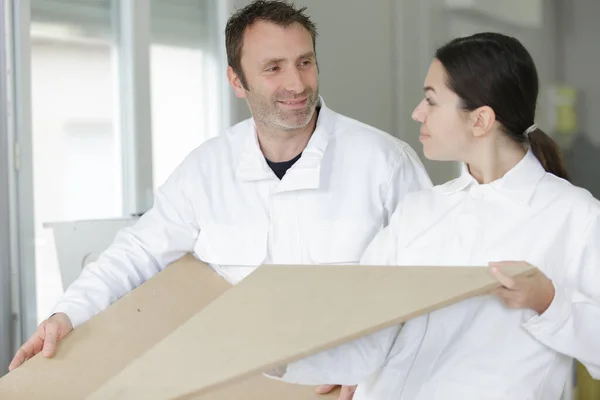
374,55
579,46
76,148
371,66
539,41
75,154
579,55
355,53
425,25
418,32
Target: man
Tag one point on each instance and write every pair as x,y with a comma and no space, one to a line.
295,184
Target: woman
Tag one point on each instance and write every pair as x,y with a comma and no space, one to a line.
511,202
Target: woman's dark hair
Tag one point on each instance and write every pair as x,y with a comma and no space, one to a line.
491,69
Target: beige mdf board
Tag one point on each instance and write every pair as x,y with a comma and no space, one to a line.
97,350
280,314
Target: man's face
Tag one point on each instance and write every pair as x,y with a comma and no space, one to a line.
280,68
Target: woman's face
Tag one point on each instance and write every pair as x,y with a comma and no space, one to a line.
445,133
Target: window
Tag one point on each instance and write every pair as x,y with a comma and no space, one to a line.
76,151
185,80
90,121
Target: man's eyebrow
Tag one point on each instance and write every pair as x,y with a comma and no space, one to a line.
310,54
272,61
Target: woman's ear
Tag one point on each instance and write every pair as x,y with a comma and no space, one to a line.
482,120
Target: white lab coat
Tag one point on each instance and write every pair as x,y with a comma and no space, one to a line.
224,204
479,349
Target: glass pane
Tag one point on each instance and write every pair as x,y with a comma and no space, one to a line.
185,80
77,172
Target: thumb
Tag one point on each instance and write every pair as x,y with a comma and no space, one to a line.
505,280
50,338
347,393
324,389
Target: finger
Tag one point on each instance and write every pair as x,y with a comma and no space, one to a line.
18,359
514,264
515,295
28,350
347,393
502,294
501,264
510,298
513,304
324,389
50,339
504,280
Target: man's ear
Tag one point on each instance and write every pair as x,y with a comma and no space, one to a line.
236,83
482,120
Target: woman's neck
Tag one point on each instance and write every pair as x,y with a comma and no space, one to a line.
493,161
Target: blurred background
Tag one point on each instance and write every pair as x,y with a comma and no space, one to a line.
101,99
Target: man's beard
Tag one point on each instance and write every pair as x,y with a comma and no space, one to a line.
272,114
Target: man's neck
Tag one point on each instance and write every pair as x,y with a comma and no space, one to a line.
283,145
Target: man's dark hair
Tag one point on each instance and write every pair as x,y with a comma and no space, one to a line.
275,11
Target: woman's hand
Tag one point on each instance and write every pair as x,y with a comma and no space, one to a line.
534,291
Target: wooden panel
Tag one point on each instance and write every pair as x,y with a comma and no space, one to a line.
283,313
107,343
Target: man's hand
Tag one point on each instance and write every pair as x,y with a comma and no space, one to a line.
534,291
43,339
347,392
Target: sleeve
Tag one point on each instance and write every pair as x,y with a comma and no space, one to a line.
571,325
383,250
161,236
409,176
352,362
348,364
